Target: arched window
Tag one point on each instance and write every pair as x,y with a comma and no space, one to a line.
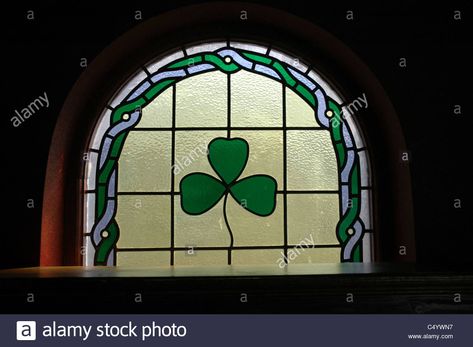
227,153
206,139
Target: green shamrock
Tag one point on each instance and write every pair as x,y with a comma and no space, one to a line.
228,157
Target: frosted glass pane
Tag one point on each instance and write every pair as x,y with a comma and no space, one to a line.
144,220
127,88
256,256
294,62
154,66
364,169
311,161
317,255
353,125
205,47
191,153
252,230
91,167
256,101
200,258
202,100
89,215
315,76
143,259
158,113
312,214
249,47
145,162
88,254
367,252
365,214
207,229
102,127
265,153
298,112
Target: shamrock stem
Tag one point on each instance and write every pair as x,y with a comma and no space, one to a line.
228,227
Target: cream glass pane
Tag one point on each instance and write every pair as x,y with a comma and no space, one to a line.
256,101
191,153
158,113
252,230
314,255
312,214
101,128
202,100
144,221
143,259
311,161
205,230
127,88
265,153
298,112
200,257
256,256
145,162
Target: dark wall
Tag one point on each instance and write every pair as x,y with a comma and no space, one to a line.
43,55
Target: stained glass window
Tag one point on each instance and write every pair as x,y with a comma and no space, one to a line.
227,153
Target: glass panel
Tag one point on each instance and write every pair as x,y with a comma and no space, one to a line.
144,221
127,88
365,176
367,252
365,214
315,76
249,47
315,255
311,161
145,162
252,230
162,61
291,61
88,254
298,112
199,257
256,101
257,256
202,100
91,167
265,153
89,201
350,119
312,217
101,128
191,153
158,113
206,47
143,258
205,230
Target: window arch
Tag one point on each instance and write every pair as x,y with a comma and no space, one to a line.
177,114
91,103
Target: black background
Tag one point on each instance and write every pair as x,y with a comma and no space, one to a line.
44,55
